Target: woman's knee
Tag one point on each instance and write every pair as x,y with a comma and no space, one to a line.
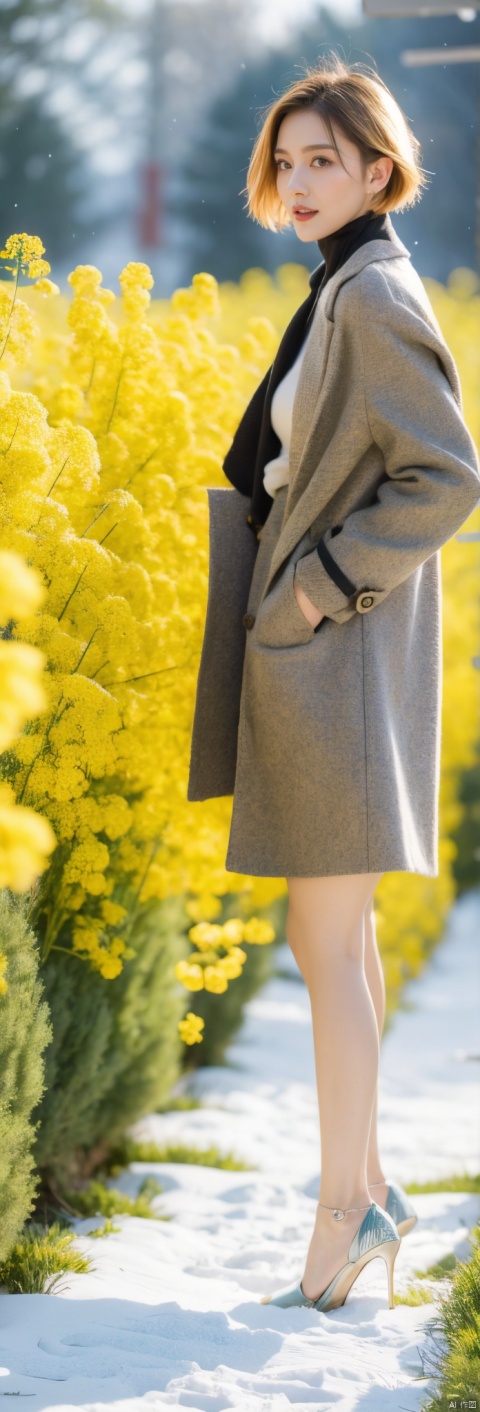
326,916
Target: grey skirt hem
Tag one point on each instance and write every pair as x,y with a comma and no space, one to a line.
298,870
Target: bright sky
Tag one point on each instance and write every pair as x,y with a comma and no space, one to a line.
271,11
275,17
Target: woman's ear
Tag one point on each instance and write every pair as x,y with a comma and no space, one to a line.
380,172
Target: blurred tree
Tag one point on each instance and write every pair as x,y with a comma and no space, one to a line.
466,865
40,179
443,109
45,51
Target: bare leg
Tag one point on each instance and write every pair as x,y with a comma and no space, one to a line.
326,932
376,985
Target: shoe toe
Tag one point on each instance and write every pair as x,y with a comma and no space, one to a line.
284,1298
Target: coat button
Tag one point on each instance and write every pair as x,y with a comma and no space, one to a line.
248,620
366,602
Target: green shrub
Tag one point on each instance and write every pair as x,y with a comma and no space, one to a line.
38,1256
116,1051
457,1369
24,1033
466,863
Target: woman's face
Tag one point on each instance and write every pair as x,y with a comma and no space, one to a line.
311,176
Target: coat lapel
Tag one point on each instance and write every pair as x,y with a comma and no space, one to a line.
301,506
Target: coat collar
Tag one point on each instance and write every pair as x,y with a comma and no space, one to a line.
373,250
298,506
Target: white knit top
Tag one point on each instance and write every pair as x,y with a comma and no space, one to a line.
276,473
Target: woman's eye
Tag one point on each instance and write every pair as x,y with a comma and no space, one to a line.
282,162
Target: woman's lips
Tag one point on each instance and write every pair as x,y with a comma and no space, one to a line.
304,215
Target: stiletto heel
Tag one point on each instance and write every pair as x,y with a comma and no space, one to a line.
376,1235
389,1255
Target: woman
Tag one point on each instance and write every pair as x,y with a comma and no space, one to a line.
355,465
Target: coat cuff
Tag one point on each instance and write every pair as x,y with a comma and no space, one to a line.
329,589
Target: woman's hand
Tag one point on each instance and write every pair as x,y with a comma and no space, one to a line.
310,612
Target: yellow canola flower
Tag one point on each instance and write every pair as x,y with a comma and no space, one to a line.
46,286
205,906
206,934
21,589
231,966
26,842
190,1028
258,932
112,912
27,250
109,967
237,953
233,931
190,974
22,694
215,979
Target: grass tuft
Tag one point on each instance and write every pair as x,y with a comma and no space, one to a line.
96,1199
415,1295
39,1259
183,1103
458,1182
107,1229
440,1270
128,1151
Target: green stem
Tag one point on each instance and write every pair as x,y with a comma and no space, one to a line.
88,389
110,419
74,590
110,531
94,521
15,287
9,447
142,467
75,669
57,477
66,952
99,669
40,752
144,675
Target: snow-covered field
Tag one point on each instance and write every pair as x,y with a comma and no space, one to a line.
170,1317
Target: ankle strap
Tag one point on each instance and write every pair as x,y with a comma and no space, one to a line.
338,1214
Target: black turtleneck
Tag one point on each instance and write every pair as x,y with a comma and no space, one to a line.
337,247
255,441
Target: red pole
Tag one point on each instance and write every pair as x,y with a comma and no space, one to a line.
150,217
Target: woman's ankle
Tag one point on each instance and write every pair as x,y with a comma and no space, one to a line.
355,1205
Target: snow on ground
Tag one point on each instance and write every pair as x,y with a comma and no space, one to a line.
170,1316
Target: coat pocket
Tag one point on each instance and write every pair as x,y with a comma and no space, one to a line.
232,554
280,620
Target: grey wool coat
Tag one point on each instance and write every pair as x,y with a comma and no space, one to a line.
329,739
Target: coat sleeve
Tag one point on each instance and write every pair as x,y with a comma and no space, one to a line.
431,484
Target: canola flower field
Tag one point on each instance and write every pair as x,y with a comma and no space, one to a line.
117,413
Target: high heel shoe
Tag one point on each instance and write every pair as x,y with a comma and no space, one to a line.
399,1207
376,1235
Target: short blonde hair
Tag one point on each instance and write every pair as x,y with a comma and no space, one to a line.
365,111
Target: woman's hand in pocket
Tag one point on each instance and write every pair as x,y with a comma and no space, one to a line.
310,612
